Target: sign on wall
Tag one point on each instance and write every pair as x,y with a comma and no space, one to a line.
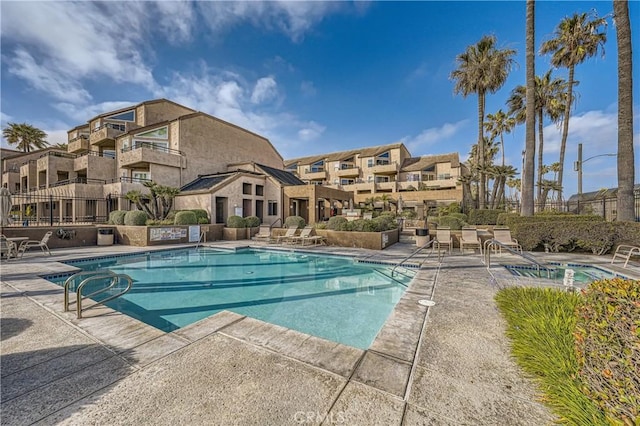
163,234
194,233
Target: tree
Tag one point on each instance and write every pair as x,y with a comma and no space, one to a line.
158,203
577,38
497,125
482,68
626,167
530,114
24,136
550,96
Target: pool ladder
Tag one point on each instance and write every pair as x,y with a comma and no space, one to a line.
112,278
418,250
494,244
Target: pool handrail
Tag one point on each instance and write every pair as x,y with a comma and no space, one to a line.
114,280
69,280
489,244
427,244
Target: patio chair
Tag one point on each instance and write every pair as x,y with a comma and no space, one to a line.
503,236
7,248
469,238
264,234
443,238
305,235
291,232
26,245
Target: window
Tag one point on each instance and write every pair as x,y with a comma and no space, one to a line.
141,176
259,190
370,162
158,146
347,182
161,133
123,116
246,188
272,208
318,166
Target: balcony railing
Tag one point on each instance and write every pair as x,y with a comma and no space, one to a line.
58,154
79,180
124,179
153,146
114,126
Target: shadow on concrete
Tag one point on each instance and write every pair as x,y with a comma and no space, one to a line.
13,326
52,381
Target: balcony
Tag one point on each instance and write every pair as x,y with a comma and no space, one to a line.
78,180
382,168
348,171
79,144
95,162
314,174
386,186
143,154
106,134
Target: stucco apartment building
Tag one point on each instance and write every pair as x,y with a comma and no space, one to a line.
118,151
422,182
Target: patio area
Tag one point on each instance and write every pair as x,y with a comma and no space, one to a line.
445,364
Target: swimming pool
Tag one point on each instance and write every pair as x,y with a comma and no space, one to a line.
330,297
583,274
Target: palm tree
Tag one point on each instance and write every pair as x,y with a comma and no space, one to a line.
482,68
530,115
626,168
577,38
550,96
497,125
24,136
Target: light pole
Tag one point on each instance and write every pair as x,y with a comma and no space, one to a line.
578,167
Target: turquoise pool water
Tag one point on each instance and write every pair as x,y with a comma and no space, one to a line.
329,297
583,274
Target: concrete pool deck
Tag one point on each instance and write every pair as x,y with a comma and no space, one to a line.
445,364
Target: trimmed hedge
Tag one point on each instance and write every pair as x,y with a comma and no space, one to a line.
186,217
252,221
236,222
608,347
135,218
294,221
336,222
450,221
117,217
201,214
484,216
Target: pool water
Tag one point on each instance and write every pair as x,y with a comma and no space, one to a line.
583,274
329,297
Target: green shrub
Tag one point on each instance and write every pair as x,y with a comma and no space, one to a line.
201,213
336,222
484,216
503,219
452,222
155,222
563,233
186,217
172,214
608,347
627,233
252,221
236,222
463,217
203,221
385,223
294,221
540,324
117,217
135,218
365,225
409,214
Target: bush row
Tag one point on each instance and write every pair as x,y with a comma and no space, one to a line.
378,224
243,222
175,217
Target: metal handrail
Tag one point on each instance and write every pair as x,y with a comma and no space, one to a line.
114,280
428,243
489,244
274,223
69,281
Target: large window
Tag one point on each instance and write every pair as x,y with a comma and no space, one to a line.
272,208
246,188
318,166
161,133
123,116
140,176
259,190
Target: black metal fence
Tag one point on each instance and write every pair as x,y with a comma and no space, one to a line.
34,210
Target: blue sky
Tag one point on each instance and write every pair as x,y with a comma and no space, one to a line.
313,77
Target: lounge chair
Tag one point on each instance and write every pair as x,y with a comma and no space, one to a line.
625,252
291,232
305,236
7,248
264,234
470,239
503,236
26,245
443,238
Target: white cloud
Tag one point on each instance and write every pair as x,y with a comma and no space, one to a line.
596,130
83,113
308,89
311,131
176,20
432,136
265,90
5,118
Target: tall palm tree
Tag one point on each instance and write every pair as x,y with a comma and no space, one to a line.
497,125
24,136
626,168
482,68
577,38
550,96
530,116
